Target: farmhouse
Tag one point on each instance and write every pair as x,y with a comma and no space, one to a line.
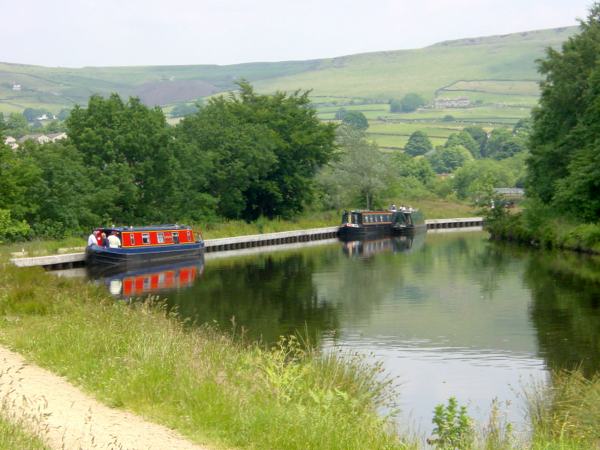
460,102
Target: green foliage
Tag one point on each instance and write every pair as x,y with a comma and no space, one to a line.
466,140
418,144
210,386
567,412
479,135
32,114
448,159
266,164
453,427
410,102
476,179
184,109
12,230
355,119
503,144
340,113
448,118
63,114
359,176
16,125
564,150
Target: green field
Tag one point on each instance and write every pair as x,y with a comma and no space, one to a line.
495,69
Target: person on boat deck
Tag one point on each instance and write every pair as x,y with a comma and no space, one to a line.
93,238
104,240
113,240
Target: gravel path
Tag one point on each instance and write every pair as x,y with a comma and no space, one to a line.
66,418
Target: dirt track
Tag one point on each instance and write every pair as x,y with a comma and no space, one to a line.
66,418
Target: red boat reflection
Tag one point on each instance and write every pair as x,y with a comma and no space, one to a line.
151,280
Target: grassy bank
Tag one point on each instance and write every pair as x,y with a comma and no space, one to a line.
210,386
533,228
14,436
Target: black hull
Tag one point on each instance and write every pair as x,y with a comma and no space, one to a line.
376,231
103,257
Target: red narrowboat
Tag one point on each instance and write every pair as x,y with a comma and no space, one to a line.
144,245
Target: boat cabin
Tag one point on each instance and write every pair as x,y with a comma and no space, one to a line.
153,236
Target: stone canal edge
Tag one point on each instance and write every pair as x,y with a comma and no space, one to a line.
66,418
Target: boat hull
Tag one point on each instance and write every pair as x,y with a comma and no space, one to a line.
375,231
136,257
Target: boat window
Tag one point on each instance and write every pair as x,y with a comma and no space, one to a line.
368,219
161,238
189,235
175,237
131,239
145,238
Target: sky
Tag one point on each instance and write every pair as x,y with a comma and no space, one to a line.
76,33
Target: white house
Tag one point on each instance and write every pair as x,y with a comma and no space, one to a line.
11,142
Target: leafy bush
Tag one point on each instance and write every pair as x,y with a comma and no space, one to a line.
453,427
12,230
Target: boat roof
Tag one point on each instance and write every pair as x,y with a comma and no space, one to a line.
405,209
165,227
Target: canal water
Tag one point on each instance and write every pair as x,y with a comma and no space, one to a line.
448,314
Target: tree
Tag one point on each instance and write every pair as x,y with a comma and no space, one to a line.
184,109
448,159
479,135
410,102
466,140
16,125
360,172
503,144
476,179
340,113
63,114
563,144
127,147
418,144
355,119
417,168
283,128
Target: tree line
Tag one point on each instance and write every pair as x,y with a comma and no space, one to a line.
241,156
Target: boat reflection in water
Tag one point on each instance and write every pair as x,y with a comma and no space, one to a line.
366,248
149,280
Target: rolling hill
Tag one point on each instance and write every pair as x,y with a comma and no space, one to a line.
495,69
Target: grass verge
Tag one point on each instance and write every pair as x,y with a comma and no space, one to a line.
15,436
210,386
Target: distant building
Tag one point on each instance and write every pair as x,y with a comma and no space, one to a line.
510,192
39,138
11,142
57,136
16,87
460,102
43,138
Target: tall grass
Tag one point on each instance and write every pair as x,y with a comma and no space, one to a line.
566,413
210,386
16,436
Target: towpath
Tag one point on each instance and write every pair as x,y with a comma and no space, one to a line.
66,418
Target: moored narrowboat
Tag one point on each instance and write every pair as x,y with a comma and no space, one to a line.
137,246
360,224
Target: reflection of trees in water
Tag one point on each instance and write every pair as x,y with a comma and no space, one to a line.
565,310
268,296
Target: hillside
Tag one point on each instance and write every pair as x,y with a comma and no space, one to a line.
498,69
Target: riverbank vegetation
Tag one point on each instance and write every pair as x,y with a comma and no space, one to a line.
210,385
563,170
